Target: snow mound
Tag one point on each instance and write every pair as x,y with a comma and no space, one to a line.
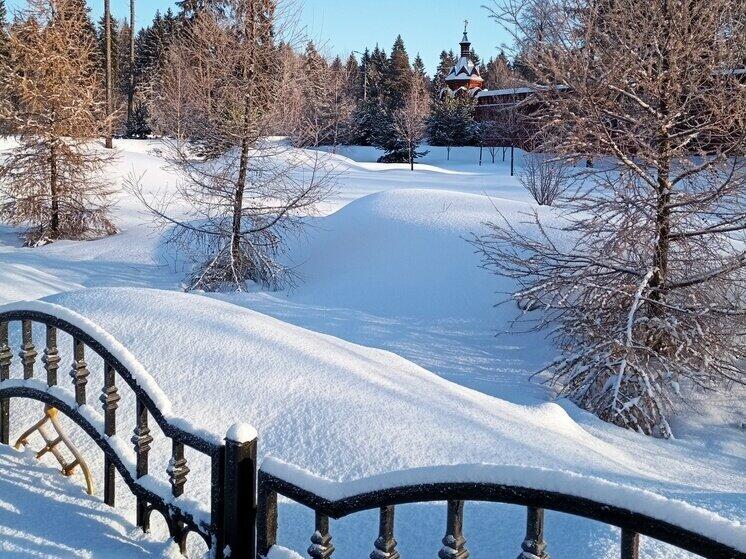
402,252
317,401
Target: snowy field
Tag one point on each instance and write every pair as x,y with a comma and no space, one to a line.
382,357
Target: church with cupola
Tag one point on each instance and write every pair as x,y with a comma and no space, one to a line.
464,76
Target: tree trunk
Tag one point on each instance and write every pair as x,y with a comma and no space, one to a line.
512,160
657,282
238,203
411,158
54,191
131,78
448,151
480,156
107,40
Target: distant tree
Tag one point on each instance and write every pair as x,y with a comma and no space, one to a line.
451,122
369,119
54,179
109,58
418,69
3,29
410,121
440,125
128,33
399,76
498,73
353,77
474,57
445,65
4,55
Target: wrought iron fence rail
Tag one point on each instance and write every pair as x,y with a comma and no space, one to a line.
536,502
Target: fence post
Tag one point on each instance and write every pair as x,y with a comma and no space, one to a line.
239,495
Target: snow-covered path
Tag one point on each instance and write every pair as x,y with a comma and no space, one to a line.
385,266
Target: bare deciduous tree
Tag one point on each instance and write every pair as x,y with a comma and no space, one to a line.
643,284
410,121
545,178
243,191
52,89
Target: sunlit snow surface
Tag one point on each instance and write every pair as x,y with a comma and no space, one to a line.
385,266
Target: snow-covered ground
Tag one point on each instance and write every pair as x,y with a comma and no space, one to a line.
386,265
43,514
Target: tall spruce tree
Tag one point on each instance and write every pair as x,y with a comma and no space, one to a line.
418,68
445,65
399,77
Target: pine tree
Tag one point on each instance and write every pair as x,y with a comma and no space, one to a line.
399,77
5,126
445,65
369,118
3,28
451,122
353,77
4,52
418,68
474,57
378,70
498,73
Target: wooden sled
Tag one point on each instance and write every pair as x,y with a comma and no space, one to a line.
50,416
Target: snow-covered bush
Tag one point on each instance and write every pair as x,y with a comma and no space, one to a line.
544,178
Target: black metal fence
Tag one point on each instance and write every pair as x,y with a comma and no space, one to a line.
243,499
233,464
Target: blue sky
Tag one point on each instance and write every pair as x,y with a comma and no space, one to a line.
341,26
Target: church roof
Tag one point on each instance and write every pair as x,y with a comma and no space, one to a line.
464,69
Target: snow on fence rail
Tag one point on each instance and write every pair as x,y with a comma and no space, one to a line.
233,461
234,527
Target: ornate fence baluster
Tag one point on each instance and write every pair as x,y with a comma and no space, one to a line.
266,528
79,371
28,351
51,357
385,544
177,469
321,541
533,545
110,402
6,355
217,498
454,541
142,439
630,545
